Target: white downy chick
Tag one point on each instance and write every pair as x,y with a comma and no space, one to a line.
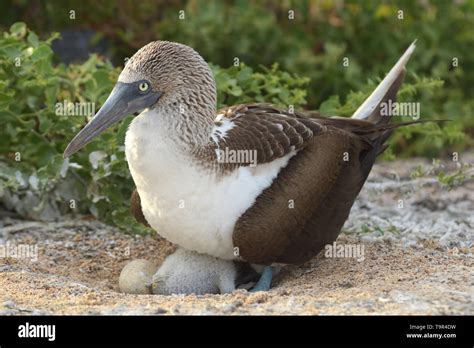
187,272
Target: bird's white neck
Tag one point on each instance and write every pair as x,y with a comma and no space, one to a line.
178,132
182,129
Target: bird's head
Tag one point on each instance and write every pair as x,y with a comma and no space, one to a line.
160,74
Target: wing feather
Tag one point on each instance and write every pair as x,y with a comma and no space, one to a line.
271,132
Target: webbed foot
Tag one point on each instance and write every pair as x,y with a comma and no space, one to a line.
265,281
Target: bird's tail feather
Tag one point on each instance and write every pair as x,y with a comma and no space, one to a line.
386,90
368,121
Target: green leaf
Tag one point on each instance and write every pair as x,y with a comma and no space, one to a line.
18,29
33,39
331,106
41,52
5,99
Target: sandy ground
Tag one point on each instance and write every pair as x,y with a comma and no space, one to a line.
418,259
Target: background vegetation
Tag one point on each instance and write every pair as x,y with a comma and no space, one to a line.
285,61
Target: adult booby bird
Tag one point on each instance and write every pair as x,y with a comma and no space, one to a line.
283,210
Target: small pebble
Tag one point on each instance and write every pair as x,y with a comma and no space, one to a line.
9,304
136,276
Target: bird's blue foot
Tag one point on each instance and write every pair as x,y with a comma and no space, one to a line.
265,281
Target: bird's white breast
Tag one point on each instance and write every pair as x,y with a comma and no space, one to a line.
185,203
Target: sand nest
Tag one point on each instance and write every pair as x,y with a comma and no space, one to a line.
417,260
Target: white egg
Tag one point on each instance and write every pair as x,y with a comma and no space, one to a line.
136,277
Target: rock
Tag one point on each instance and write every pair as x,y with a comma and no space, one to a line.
9,304
136,276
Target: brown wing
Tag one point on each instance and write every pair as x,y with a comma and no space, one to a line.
269,131
136,207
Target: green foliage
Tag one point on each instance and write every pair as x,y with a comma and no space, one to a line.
242,84
370,228
313,44
454,179
35,133
448,179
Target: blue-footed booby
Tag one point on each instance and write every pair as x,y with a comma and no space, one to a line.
281,208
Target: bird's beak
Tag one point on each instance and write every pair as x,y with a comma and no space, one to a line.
125,99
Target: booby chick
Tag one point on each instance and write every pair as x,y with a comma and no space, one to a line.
283,208
186,272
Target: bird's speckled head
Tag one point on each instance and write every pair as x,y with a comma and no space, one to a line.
176,71
167,76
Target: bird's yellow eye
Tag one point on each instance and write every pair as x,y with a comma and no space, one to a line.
143,86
